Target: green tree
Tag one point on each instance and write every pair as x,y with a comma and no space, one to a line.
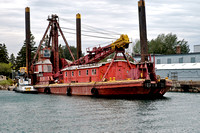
5,69
61,51
67,54
3,54
166,44
12,60
136,47
21,56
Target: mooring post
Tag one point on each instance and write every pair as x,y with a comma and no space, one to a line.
28,46
78,35
143,31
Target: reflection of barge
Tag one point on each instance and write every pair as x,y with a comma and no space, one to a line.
86,76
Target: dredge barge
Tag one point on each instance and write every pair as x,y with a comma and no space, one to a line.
87,75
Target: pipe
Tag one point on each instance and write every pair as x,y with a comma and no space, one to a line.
143,31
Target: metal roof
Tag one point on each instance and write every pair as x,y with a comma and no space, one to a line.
47,61
178,66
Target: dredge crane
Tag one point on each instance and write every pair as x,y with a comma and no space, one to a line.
97,54
126,79
50,54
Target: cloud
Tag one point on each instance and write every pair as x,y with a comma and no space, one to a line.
179,17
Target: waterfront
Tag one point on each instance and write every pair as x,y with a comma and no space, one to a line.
176,112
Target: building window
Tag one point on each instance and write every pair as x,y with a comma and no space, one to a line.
65,74
181,60
174,75
169,61
93,71
79,73
158,61
193,60
72,73
86,72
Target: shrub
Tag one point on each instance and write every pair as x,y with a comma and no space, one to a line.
4,83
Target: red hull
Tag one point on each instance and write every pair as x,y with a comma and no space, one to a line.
112,88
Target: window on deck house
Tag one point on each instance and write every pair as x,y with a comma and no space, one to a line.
93,71
72,73
86,72
79,73
65,74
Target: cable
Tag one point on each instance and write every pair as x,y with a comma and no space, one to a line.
105,31
93,28
98,32
89,35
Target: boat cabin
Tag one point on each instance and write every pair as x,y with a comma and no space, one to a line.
119,70
43,67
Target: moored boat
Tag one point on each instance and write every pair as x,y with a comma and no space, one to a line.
121,80
87,76
24,86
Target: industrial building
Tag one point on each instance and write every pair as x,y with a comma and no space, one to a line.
181,67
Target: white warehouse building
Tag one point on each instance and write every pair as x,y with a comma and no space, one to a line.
182,67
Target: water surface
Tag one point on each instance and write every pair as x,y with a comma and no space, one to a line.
176,112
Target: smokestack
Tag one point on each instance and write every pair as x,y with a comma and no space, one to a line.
28,47
143,31
78,35
178,49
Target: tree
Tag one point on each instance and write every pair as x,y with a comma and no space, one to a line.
12,60
136,47
166,44
5,69
21,56
61,51
3,54
67,54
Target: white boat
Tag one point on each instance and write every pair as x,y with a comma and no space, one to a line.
24,86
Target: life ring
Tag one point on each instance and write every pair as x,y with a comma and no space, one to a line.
47,90
94,92
69,91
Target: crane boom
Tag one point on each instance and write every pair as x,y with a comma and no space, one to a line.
97,54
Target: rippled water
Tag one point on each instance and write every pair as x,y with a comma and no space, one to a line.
177,112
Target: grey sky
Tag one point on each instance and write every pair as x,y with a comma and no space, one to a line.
163,16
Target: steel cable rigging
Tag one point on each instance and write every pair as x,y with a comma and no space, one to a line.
91,29
90,35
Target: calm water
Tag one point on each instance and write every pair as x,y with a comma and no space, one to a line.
177,112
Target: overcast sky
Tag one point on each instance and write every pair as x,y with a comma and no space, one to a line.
121,16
